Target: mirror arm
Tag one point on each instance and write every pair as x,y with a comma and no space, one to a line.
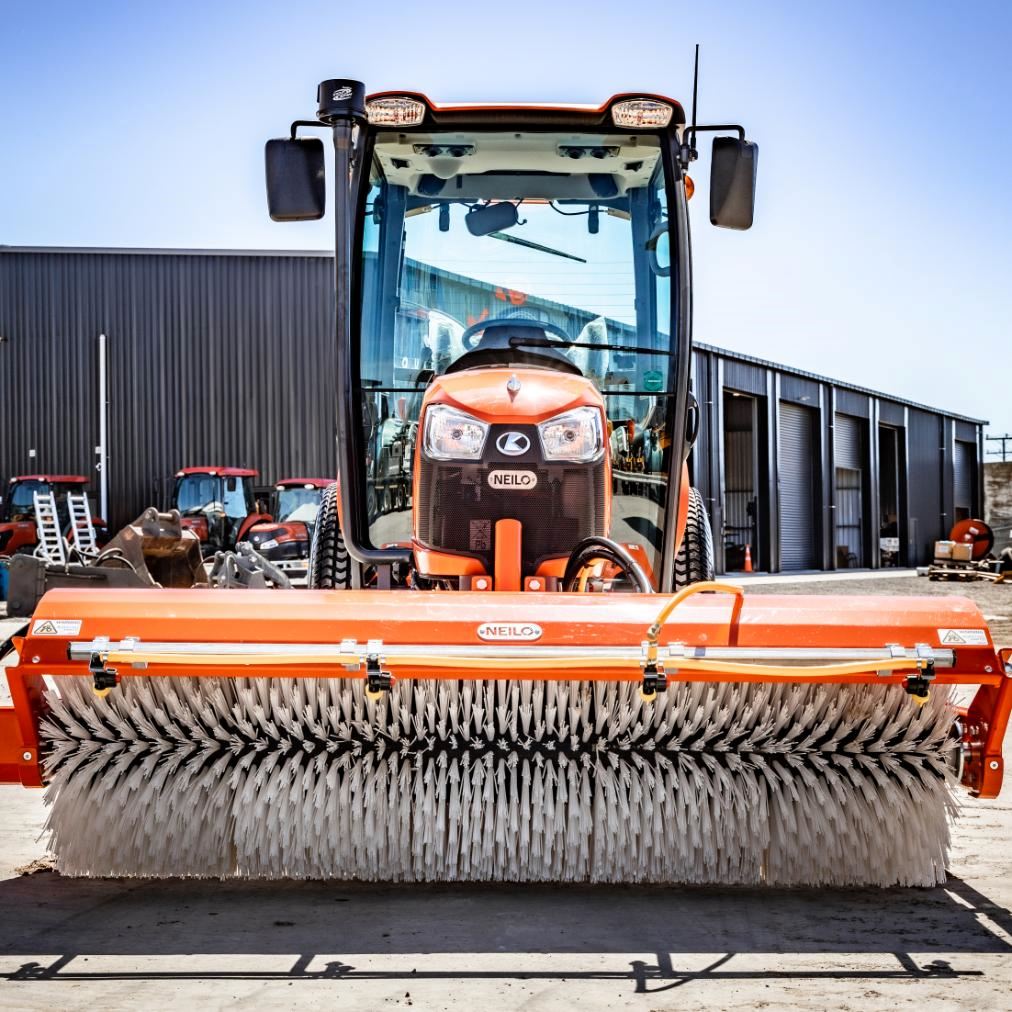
305,123
687,151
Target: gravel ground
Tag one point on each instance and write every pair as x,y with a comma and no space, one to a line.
84,944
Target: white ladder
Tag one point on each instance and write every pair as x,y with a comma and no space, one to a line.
82,527
52,547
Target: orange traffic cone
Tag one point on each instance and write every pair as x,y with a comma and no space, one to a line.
748,558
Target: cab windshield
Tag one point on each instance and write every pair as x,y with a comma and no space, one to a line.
204,493
20,504
298,504
562,235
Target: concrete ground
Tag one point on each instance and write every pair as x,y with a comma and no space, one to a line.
125,943
993,599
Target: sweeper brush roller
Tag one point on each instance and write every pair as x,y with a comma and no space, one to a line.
522,780
701,738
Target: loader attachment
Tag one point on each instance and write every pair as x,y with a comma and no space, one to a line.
158,550
153,551
398,736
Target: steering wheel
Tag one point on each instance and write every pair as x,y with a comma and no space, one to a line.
467,338
206,508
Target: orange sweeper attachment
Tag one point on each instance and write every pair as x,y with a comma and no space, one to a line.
512,662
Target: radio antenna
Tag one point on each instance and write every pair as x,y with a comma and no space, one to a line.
695,96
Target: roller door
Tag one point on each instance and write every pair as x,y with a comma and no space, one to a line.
963,467
796,484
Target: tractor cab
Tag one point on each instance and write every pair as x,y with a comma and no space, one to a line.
17,511
513,327
515,304
218,504
285,540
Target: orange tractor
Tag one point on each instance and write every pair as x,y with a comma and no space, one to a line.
522,671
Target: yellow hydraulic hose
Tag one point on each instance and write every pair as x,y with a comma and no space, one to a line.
709,586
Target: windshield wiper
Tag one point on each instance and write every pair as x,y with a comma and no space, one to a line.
544,342
535,245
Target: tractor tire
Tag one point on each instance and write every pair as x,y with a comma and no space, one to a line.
694,561
329,561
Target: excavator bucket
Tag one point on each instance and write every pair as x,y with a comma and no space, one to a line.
398,736
158,550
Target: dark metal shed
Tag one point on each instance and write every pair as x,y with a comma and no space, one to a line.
226,357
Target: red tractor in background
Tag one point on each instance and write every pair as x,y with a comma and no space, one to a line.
18,534
218,504
285,540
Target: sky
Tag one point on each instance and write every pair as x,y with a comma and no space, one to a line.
881,249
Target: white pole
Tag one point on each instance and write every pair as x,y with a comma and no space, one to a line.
101,449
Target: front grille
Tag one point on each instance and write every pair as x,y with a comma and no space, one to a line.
458,508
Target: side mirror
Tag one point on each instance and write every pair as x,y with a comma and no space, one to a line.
296,179
659,250
733,167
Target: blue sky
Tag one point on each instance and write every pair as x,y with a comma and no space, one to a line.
881,250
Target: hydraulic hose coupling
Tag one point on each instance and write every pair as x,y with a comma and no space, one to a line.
104,678
918,685
654,678
377,681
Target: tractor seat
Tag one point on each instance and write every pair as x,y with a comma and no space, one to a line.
497,347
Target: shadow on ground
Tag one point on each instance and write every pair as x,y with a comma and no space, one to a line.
71,920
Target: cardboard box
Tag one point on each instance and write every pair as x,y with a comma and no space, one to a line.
962,553
943,550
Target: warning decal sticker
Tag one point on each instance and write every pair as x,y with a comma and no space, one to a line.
57,627
962,637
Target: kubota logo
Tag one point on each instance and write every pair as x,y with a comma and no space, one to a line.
513,443
521,480
509,631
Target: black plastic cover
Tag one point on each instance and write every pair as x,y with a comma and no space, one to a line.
296,179
733,168
491,218
339,98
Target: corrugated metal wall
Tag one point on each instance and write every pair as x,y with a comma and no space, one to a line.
213,359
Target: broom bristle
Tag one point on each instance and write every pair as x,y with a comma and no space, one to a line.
499,780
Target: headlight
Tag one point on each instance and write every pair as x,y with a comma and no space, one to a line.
575,435
453,435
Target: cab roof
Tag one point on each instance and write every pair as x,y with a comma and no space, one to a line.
301,482
225,472
507,114
53,479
